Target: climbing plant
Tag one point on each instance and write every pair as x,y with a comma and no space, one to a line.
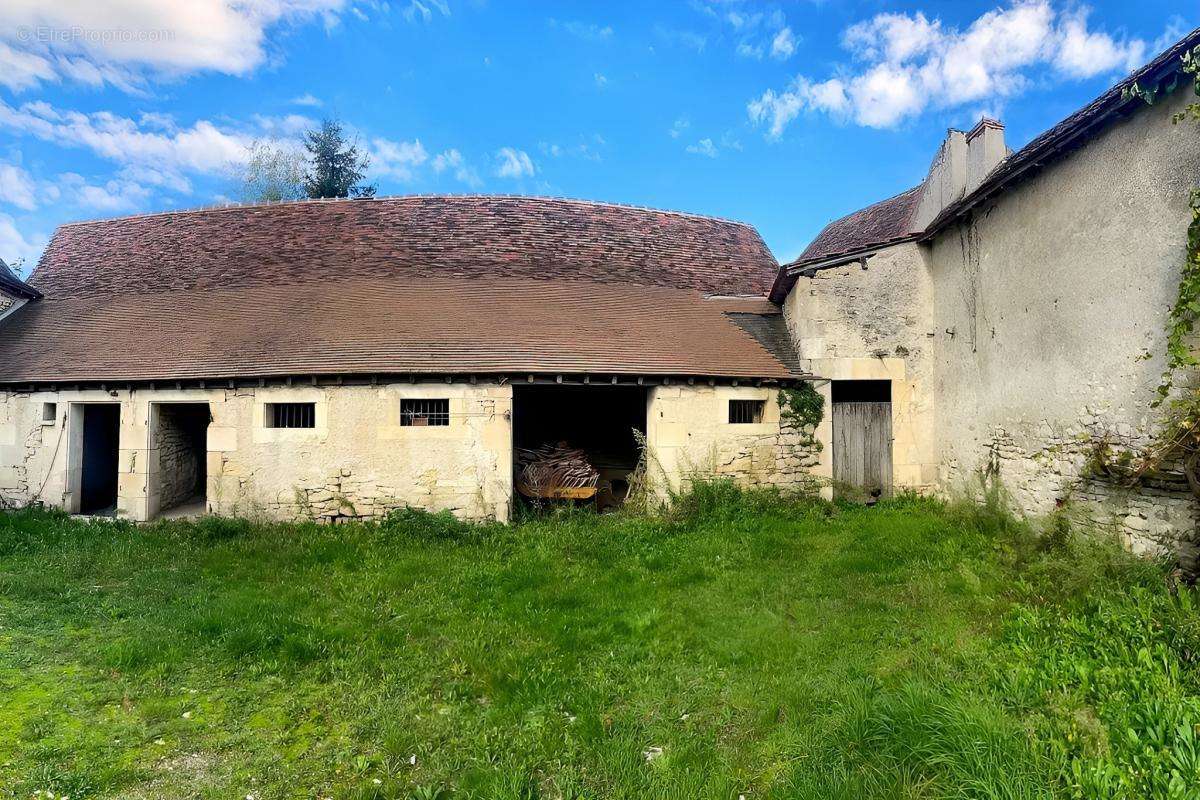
1186,310
802,407
1181,435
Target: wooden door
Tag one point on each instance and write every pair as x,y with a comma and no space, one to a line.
862,446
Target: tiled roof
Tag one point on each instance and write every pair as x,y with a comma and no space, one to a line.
408,239
888,221
380,325
874,226
399,285
1076,130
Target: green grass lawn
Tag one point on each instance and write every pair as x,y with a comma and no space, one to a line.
740,646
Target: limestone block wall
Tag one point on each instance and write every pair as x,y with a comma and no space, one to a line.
357,463
178,463
689,436
851,323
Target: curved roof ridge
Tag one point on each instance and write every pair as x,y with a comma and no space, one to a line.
419,196
407,238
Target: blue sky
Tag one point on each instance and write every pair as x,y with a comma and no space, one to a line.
784,115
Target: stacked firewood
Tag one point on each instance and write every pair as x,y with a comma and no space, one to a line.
555,466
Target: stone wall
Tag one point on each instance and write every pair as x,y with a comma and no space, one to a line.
874,323
256,471
1044,469
180,456
359,462
1050,316
690,436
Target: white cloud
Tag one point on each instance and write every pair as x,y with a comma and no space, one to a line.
909,63
200,148
453,160
1083,53
113,195
783,45
681,125
601,80
747,50
704,147
307,100
125,43
287,126
588,31
512,163
15,246
17,187
397,159
22,70
423,11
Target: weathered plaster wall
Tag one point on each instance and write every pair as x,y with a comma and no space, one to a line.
1047,303
690,436
851,323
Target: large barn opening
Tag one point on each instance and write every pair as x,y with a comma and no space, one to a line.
570,440
178,459
99,458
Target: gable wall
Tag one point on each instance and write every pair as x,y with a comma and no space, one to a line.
1017,337
1055,293
851,323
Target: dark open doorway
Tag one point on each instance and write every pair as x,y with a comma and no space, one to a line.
600,420
101,440
179,458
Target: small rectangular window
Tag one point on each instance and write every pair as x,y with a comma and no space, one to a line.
743,412
49,413
415,413
291,415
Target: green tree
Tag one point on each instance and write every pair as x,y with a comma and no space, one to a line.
336,168
272,173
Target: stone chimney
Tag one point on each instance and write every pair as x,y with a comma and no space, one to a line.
962,162
946,181
985,149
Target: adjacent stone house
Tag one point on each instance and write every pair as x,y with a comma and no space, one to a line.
339,359
1014,306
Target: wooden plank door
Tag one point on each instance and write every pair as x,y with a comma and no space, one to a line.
862,446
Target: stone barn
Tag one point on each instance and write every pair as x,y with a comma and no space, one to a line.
1000,324
340,359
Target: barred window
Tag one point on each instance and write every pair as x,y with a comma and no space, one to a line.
291,415
743,412
424,412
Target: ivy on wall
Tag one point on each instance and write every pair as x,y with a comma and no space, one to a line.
1181,435
802,407
1186,310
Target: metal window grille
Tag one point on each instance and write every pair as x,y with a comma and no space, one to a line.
743,412
292,415
424,412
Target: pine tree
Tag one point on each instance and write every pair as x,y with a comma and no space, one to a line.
336,169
